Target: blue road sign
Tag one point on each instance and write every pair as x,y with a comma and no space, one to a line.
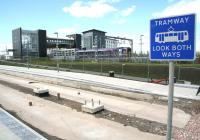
173,38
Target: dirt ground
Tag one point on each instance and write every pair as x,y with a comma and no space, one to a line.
141,124
66,123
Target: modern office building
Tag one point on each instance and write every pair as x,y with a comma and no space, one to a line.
77,39
92,42
29,43
96,39
37,44
111,43
120,52
65,54
62,43
66,46
93,39
71,41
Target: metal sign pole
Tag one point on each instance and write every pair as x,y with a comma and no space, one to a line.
170,100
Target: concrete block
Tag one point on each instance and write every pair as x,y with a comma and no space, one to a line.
187,82
92,107
41,92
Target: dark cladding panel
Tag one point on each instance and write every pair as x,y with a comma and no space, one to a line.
42,40
77,40
17,43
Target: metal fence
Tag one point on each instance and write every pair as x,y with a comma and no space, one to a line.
138,68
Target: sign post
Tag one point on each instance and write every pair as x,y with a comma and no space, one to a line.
170,100
172,39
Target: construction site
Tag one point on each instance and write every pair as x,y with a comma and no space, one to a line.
72,106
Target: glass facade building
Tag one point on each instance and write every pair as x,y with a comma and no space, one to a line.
62,43
29,43
93,39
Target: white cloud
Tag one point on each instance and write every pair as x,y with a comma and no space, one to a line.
128,11
121,19
181,7
91,9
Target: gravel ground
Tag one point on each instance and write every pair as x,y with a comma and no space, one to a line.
191,130
189,106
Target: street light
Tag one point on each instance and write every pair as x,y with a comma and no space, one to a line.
141,42
96,45
27,51
84,59
70,54
101,56
148,71
26,43
57,64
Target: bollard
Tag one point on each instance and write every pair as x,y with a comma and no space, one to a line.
30,103
99,102
85,102
58,96
92,102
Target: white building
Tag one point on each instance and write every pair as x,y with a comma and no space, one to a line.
65,54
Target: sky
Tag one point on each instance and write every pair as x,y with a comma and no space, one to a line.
124,18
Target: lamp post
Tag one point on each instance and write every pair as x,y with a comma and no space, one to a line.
101,57
84,59
148,71
141,42
96,45
70,54
57,64
27,45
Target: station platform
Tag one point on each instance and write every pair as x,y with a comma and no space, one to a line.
13,129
